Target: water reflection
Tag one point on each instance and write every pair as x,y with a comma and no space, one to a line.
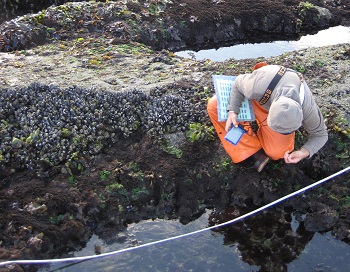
331,36
202,252
271,241
267,240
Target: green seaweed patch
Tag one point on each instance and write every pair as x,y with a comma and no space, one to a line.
200,132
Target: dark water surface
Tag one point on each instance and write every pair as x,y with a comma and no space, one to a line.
271,240
330,36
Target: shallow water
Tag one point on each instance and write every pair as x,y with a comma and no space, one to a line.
234,248
330,36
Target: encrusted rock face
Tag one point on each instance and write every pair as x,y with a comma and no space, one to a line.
19,35
12,8
44,126
171,25
62,22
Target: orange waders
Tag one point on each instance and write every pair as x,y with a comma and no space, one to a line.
273,143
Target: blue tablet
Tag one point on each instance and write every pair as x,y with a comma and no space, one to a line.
235,134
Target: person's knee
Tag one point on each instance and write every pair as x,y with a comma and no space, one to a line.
274,154
212,103
212,107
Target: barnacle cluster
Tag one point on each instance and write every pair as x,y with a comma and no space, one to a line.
47,124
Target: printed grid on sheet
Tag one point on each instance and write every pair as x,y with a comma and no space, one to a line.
223,85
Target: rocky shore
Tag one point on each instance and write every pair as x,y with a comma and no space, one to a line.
96,134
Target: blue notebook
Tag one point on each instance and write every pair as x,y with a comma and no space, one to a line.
223,85
235,134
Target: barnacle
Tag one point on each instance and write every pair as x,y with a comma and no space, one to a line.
44,126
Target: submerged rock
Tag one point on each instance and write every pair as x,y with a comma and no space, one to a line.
323,220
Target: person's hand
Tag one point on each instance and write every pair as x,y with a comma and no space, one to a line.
296,156
231,120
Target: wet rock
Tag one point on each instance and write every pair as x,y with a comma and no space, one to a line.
12,268
342,233
74,231
16,35
35,243
323,220
168,209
